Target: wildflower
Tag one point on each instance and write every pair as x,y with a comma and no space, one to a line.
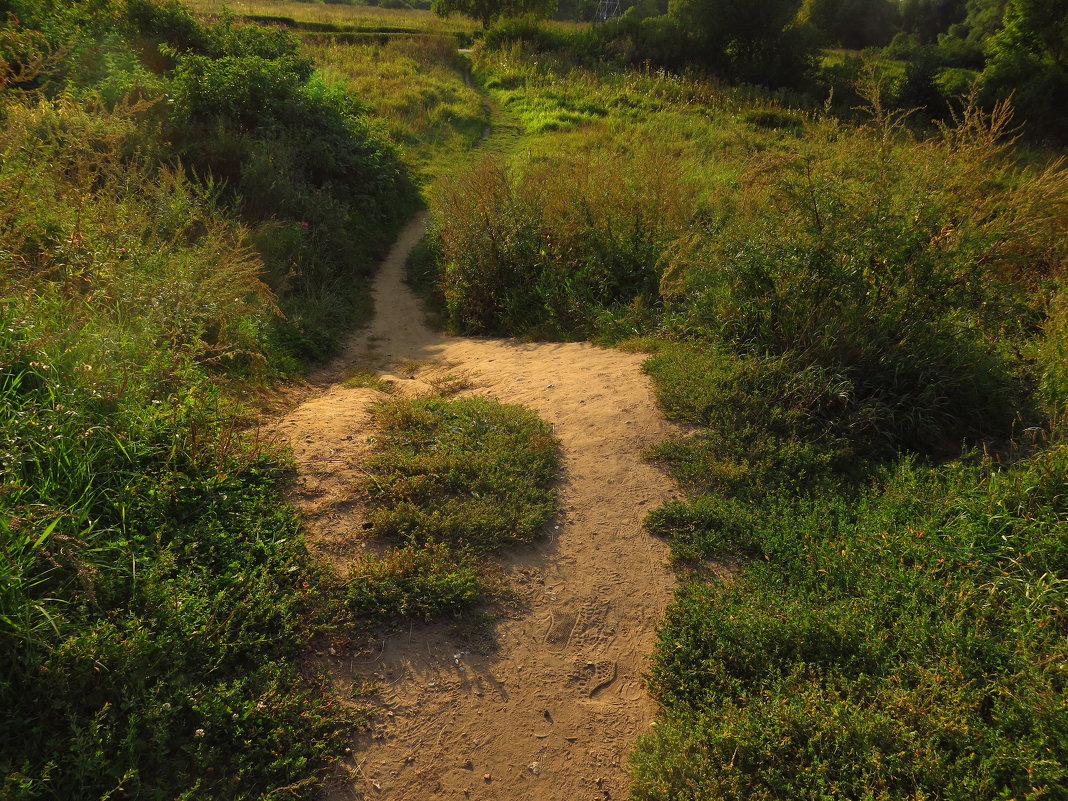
199,733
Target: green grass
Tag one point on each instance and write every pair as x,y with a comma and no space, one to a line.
416,86
368,380
449,481
905,643
342,16
469,472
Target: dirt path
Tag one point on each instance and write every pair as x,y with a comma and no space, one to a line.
546,705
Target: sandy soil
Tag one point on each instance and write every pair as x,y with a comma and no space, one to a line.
544,703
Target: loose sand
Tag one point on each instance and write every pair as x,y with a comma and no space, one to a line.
544,704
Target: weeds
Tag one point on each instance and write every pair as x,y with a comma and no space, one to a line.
449,480
368,381
468,472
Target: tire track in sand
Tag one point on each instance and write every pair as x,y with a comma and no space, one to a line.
548,705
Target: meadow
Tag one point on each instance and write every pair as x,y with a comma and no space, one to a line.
340,17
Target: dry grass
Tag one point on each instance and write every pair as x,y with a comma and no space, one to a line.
360,17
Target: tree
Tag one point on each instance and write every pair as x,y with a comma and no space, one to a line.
486,11
1028,61
926,19
853,23
749,40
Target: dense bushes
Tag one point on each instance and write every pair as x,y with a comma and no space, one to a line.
897,266
153,584
550,249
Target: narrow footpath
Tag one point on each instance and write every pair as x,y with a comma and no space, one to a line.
544,703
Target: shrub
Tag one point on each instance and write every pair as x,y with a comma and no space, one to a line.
547,249
886,265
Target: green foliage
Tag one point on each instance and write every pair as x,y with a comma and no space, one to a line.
1028,60
168,185
416,85
152,582
471,473
297,157
890,647
894,267
827,296
751,43
852,23
548,249
766,423
418,581
926,19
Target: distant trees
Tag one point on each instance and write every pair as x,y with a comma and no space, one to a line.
926,19
749,40
853,23
486,11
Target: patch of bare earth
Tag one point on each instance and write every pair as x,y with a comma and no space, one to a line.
545,704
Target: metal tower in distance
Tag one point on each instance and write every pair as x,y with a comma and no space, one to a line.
606,9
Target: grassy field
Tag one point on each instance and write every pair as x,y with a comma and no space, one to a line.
864,325
416,85
342,16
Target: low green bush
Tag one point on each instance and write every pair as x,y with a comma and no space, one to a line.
896,645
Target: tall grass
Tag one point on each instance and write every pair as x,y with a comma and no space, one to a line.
549,249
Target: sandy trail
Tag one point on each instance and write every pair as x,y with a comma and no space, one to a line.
546,705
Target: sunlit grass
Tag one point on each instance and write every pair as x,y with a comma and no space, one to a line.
343,16
416,85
